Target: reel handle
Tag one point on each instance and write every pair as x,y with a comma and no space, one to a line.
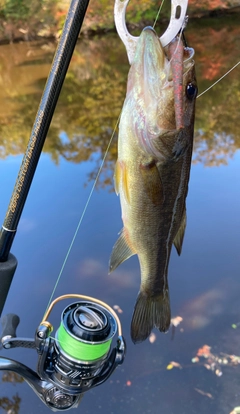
9,323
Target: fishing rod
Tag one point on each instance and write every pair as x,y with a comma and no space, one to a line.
71,29
80,355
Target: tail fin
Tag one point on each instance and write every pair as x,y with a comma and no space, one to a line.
150,312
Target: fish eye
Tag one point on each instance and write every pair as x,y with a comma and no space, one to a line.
191,90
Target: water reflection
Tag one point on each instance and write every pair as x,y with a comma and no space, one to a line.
204,282
94,91
11,405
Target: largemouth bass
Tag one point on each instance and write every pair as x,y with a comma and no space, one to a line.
152,171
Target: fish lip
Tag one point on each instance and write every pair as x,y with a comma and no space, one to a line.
163,53
149,48
149,28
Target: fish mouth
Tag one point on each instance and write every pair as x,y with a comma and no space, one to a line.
153,58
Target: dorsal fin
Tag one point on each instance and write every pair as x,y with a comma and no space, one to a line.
178,241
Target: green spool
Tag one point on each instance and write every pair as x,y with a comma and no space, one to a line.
79,350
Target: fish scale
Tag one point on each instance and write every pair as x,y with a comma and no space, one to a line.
152,171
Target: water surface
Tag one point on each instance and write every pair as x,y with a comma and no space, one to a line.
204,281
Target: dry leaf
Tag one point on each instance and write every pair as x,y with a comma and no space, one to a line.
204,351
175,365
118,309
235,359
235,411
206,394
152,338
176,321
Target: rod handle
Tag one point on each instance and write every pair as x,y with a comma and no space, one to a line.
7,270
10,323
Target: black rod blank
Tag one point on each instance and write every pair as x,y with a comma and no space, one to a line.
42,122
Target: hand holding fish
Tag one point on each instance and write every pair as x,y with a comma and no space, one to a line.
152,171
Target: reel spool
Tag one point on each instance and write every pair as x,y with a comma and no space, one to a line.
78,358
83,341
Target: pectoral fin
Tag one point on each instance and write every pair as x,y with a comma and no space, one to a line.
120,178
152,182
117,177
178,241
172,144
121,252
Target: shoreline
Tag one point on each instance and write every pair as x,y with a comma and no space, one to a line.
15,32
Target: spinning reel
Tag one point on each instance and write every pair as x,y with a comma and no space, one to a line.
77,359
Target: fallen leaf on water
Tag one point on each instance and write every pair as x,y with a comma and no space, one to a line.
174,364
204,351
234,359
218,373
236,410
152,338
194,360
128,383
206,394
176,321
118,309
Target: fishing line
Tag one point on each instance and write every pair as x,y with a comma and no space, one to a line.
215,83
83,214
100,169
83,349
158,13
89,197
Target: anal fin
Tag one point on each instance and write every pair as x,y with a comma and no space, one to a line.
121,252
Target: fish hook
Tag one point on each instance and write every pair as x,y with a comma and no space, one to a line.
177,22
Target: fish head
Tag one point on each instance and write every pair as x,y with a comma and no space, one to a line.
161,89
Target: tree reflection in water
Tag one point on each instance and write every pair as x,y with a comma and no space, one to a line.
11,405
94,91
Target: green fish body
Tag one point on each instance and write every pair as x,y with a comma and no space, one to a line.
152,171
